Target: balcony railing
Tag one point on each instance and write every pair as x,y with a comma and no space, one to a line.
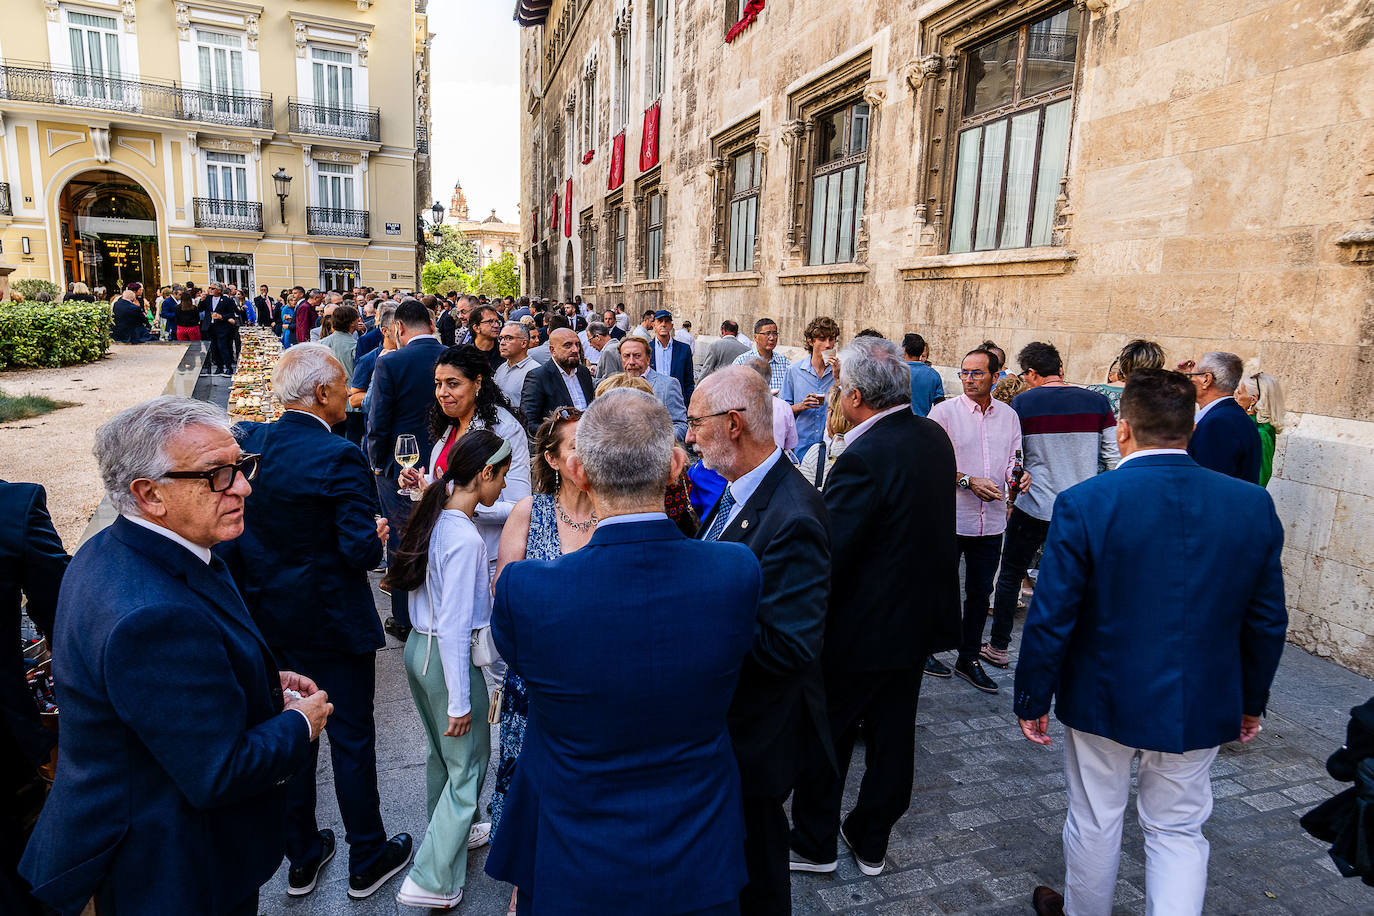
326,121
212,213
5,208
334,221
422,141
52,86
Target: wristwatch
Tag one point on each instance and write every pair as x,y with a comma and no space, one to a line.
965,481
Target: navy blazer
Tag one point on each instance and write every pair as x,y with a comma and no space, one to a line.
627,796
367,342
402,393
1145,624
170,791
309,530
682,367
32,562
544,391
1227,441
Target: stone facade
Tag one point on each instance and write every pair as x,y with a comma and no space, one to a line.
1216,193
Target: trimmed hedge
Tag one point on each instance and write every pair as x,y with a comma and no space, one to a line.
30,287
44,335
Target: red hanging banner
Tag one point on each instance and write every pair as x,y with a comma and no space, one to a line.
648,146
534,218
567,209
617,162
553,218
588,156
746,19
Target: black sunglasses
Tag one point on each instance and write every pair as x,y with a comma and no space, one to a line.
222,478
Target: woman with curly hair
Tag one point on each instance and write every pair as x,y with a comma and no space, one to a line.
466,397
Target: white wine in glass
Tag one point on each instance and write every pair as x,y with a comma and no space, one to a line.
407,455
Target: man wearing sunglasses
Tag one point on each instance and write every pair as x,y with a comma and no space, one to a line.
176,742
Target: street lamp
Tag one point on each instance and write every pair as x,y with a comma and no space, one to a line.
283,182
438,211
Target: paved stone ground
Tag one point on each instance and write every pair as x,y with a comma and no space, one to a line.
986,813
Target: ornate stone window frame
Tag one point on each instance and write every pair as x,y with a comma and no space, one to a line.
847,83
615,204
937,78
587,231
726,144
645,187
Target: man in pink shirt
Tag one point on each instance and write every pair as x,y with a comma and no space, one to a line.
986,435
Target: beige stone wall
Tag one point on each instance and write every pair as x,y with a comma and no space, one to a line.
1219,154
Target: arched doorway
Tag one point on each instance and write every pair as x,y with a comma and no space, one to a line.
109,231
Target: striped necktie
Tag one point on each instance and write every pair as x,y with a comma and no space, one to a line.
727,502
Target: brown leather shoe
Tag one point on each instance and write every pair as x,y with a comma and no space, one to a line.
1047,902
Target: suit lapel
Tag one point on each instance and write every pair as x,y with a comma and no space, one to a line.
748,515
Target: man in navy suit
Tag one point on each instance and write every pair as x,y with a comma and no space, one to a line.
311,529
1157,644
176,746
627,797
1226,439
402,395
32,562
779,705
670,356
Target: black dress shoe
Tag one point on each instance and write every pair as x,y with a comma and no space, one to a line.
973,672
935,667
1047,902
397,630
302,879
395,857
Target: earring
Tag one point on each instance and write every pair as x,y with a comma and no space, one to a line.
557,481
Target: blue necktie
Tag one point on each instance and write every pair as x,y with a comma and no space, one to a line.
727,502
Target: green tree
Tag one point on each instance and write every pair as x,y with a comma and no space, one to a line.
445,243
436,274
503,276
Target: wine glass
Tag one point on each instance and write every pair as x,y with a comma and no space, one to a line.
407,455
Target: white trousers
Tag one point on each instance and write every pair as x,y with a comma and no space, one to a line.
1174,800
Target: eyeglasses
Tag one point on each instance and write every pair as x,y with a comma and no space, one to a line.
508,337
765,333
495,321
222,478
972,373
1191,374
695,422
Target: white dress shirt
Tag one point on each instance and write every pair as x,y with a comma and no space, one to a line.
1146,452
1202,411
202,553
853,435
633,517
744,486
574,388
312,416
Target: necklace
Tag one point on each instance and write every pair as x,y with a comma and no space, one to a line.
563,517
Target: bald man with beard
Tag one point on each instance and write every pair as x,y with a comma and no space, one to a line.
561,382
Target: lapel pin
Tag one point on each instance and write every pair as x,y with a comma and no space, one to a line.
744,524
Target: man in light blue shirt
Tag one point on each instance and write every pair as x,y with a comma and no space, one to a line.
807,382
765,347
927,389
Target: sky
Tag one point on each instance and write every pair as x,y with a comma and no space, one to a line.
475,104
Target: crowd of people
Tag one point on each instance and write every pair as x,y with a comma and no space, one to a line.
682,585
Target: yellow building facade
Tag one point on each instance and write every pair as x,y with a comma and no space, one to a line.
167,141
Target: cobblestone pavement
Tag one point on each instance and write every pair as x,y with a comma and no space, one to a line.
986,812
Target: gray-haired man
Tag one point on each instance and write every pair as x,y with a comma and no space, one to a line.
515,347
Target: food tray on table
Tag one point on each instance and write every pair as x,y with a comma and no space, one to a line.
251,398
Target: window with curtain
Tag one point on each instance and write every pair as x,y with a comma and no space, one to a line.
741,226
220,59
335,184
226,176
653,233
332,73
619,225
622,89
1014,135
658,65
588,229
94,43
837,182
589,112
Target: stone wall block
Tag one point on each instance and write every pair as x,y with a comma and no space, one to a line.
1343,306
1128,257
1144,200
1323,175
1351,538
1193,63
1340,593
1323,93
1275,304
1234,113
1235,187
1284,249
1294,33
1326,378
1332,453
1126,137
1306,511
1196,303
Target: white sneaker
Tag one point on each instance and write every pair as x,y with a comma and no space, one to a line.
868,868
412,894
479,835
798,862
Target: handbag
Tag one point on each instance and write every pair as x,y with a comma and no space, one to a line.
484,653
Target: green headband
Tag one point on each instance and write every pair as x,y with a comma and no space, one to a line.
500,455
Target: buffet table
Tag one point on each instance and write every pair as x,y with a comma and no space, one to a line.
251,397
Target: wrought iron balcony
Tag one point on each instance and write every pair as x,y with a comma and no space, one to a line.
212,213
32,82
5,208
422,141
327,121
353,224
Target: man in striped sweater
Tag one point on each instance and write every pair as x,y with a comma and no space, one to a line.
1067,433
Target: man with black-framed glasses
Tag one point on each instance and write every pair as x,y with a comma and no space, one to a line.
159,659
1224,437
484,326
